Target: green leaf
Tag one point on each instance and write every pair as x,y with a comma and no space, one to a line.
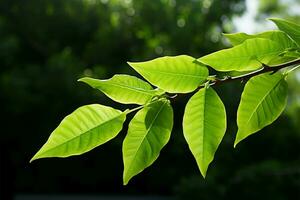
176,74
204,125
275,35
263,100
244,57
285,57
290,28
148,132
124,89
86,128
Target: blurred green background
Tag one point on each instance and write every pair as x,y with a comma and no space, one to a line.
45,46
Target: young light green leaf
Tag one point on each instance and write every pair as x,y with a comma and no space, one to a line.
124,89
204,125
290,28
263,100
148,132
174,74
86,128
244,57
275,35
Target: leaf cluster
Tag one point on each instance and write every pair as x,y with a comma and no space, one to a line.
259,57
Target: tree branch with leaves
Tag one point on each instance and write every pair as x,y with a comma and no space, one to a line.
259,59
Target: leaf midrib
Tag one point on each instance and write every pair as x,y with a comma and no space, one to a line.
172,74
141,90
203,130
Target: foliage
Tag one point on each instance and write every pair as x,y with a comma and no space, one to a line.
46,45
204,122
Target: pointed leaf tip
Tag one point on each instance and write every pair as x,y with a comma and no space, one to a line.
239,137
236,142
83,79
31,160
203,172
125,182
234,145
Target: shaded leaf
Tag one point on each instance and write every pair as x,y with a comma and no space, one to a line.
124,89
204,125
174,74
86,128
263,100
148,132
244,57
275,35
290,28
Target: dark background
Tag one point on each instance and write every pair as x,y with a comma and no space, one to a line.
45,46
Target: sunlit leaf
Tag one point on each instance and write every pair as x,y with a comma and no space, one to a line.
124,89
204,125
174,74
148,132
263,100
244,57
86,128
290,28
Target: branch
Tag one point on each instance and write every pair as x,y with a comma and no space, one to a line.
247,76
